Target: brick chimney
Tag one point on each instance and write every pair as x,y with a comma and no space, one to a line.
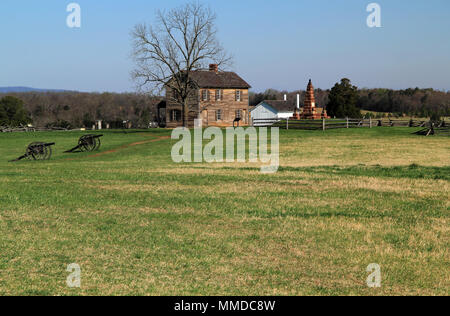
214,68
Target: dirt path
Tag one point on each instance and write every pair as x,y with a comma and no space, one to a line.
129,145
111,151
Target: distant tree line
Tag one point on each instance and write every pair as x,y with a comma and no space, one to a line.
412,102
343,99
73,109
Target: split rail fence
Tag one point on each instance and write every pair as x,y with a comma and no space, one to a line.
430,128
7,129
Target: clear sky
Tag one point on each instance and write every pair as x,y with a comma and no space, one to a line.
276,43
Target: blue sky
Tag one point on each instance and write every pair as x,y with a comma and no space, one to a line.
276,44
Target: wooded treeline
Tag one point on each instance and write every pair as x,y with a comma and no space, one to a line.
412,102
73,109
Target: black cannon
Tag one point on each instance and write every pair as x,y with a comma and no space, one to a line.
88,142
37,151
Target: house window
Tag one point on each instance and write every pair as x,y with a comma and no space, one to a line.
219,95
205,95
219,115
238,95
238,114
176,95
175,115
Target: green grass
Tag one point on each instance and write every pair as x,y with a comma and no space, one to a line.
139,224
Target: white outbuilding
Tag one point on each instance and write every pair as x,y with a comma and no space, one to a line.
272,109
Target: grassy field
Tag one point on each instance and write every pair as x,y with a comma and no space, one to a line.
139,224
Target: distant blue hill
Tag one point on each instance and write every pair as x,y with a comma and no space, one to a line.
28,89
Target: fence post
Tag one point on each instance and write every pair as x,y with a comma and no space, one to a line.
287,123
347,121
323,124
370,122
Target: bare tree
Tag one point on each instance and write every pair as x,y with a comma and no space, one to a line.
183,40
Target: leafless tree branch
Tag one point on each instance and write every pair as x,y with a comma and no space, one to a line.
183,40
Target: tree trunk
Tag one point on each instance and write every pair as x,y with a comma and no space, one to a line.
186,113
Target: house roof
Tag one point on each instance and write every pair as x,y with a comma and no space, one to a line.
223,79
280,106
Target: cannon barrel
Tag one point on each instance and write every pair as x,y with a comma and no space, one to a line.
43,144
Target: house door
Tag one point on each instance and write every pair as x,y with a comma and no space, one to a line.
205,117
245,117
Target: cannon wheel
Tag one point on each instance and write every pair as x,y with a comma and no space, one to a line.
98,143
38,151
87,143
48,150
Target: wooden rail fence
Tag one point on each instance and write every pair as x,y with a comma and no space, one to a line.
439,128
325,124
7,129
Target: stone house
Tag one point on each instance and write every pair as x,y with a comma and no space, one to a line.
218,98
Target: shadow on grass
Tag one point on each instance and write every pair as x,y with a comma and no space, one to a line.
412,171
